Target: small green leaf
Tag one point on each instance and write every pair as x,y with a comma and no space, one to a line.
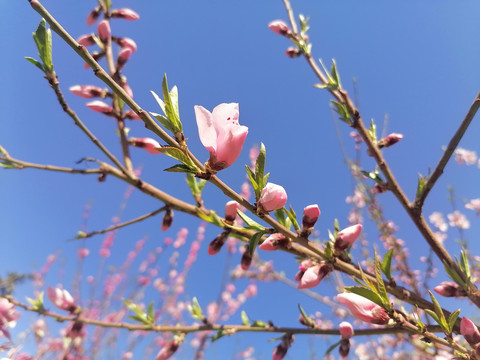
439,312
464,265
81,235
163,121
37,303
282,218
260,166
219,334
108,4
181,169
372,131
251,176
331,348
151,313
260,324
43,40
212,218
251,224
140,316
433,315
374,175
178,155
454,276
342,111
171,105
382,291
293,218
196,310
196,186
452,319
422,180
245,319
35,62
366,293
335,75
306,318
387,264
252,245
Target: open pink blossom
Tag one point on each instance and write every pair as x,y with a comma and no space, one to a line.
148,144
273,197
8,316
363,309
458,219
62,299
473,204
347,237
221,134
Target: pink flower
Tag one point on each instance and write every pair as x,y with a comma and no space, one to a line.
93,16
459,220
167,220
389,140
87,91
293,52
463,156
469,331
473,204
126,14
246,260
86,40
437,220
168,350
123,56
83,253
231,210
61,298
273,197
8,316
313,276
279,27
221,134
125,42
310,215
449,289
100,106
346,237
363,309
346,330
274,242
132,115
104,31
148,144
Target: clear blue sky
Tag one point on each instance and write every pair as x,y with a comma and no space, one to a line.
418,62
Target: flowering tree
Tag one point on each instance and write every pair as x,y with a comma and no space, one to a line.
376,293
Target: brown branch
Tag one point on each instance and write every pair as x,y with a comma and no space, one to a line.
19,164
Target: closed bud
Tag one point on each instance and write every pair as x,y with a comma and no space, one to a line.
363,309
379,188
310,216
346,238
346,330
281,350
62,299
449,289
293,52
469,331
123,57
231,211
148,144
344,348
93,16
125,86
167,220
217,243
274,242
246,260
273,197
125,43
87,91
101,107
126,14
104,31
389,140
168,350
132,115
279,27
313,276
86,40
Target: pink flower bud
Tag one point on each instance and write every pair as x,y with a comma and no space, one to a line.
274,242
389,140
83,253
344,348
313,276
62,299
293,52
281,350
168,350
231,210
126,87
93,16
449,289
469,331
279,27
217,243
379,188
86,40
246,260
104,31
346,237
123,57
221,134
363,309
148,144
346,330
125,43
273,197
132,115
167,220
87,91
126,14
310,215
101,107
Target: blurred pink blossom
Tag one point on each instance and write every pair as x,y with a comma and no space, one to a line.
458,219
279,27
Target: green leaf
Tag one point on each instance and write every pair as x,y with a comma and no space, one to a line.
245,319
163,121
35,62
43,40
37,303
433,315
331,348
196,310
464,265
454,276
260,167
140,316
178,155
219,334
260,324
387,264
374,175
326,86
439,312
212,218
422,180
181,169
251,176
151,313
282,218
108,4
366,293
307,319
249,222
342,111
252,245
171,105
382,291
335,75
372,131
293,218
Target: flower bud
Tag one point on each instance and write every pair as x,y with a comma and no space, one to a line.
363,309
346,238
217,243
132,115
125,14
125,42
101,107
469,331
123,57
344,348
93,16
148,144
62,299
279,27
104,31
168,350
449,289
125,86
167,220
273,197
379,188
231,211
310,215
274,242
293,52
389,140
313,276
281,350
346,330
87,91
246,260
86,40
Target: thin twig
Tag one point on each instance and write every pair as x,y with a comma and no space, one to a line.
19,164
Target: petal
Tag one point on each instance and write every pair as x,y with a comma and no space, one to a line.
206,129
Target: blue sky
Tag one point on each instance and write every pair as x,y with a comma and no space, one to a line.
415,61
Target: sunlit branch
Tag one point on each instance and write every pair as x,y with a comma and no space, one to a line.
19,164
